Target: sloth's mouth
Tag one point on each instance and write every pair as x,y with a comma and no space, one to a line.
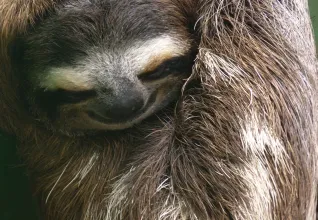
111,124
97,117
126,122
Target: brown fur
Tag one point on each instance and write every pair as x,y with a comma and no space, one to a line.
242,145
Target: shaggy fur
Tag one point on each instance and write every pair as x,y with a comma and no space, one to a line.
240,145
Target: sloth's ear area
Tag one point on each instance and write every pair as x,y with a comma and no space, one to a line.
15,18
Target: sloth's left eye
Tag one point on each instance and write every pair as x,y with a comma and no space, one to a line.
175,65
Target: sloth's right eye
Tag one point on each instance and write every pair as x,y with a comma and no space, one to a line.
176,65
61,96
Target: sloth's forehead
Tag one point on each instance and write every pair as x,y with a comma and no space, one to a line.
142,31
116,20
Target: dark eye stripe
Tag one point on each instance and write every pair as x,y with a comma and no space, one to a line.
174,65
60,96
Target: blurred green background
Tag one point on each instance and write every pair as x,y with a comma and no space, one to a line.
313,6
15,195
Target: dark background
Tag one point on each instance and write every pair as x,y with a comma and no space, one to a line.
16,202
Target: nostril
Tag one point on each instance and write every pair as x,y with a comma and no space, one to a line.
61,96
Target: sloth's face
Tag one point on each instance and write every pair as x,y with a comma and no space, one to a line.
104,65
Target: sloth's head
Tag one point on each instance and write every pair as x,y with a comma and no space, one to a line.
103,64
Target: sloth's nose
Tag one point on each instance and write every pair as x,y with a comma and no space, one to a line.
119,107
118,104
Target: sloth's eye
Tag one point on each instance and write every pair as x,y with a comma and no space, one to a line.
61,96
176,65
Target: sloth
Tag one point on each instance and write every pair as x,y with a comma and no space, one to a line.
88,67
163,109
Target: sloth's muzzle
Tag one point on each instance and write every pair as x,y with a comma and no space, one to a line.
116,108
119,104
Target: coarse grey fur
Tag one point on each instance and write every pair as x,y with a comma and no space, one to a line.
240,143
